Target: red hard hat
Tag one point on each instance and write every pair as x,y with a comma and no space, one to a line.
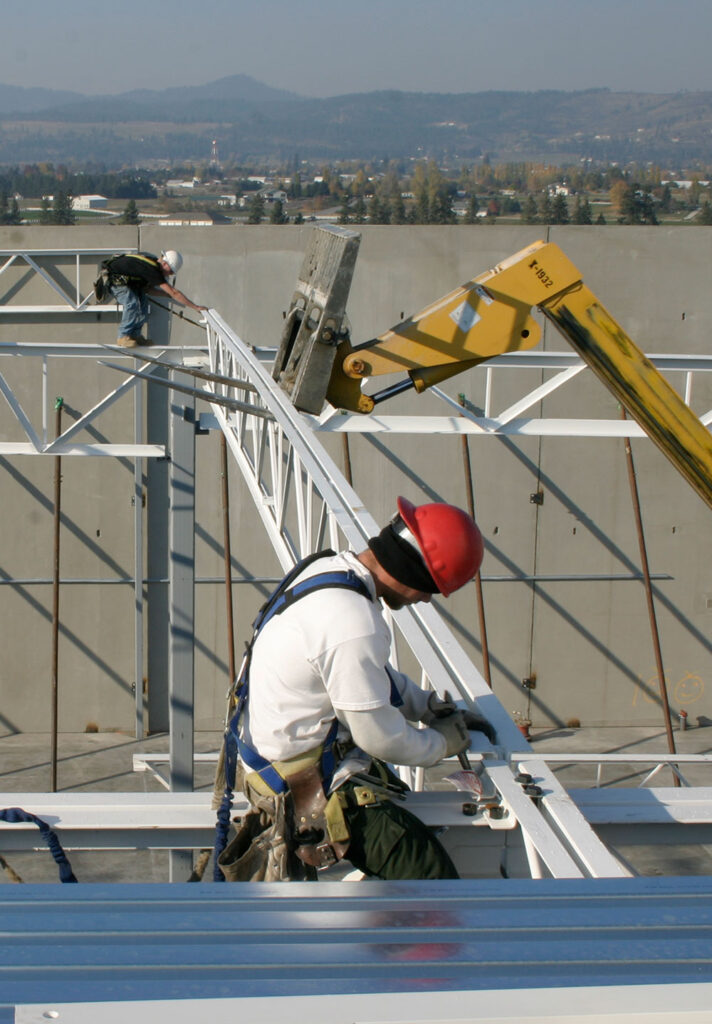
449,541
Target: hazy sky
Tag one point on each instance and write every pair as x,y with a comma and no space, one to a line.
329,47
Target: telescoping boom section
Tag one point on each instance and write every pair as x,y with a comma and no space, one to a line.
491,315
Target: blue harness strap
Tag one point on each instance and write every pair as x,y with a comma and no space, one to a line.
269,774
281,599
396,700
16,814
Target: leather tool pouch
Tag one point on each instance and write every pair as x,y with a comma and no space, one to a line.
102,285
259,851
320,833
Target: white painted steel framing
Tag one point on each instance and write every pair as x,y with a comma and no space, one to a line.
38,441
460,421
180,820
186,821
78,301
671,761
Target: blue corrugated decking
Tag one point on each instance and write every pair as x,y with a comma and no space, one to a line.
90,943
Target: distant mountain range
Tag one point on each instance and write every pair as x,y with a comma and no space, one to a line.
252,121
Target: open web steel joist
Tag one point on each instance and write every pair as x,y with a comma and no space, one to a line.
60,273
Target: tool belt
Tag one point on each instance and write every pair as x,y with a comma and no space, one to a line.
315,822
287,834
136,284
102,285
320,833
259,851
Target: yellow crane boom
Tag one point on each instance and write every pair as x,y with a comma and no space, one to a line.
491,315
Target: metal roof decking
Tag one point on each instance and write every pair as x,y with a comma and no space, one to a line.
111,943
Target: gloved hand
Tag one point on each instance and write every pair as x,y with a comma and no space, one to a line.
478,723
440,707
452,728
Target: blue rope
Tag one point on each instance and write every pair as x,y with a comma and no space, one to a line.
13,815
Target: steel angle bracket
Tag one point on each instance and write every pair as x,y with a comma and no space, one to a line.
316,321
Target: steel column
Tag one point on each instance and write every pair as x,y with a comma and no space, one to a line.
181,601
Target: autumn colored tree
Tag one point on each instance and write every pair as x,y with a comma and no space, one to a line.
617,194
421,206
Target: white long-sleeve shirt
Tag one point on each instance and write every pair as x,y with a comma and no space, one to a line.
326,656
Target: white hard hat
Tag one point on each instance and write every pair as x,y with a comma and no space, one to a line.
173,259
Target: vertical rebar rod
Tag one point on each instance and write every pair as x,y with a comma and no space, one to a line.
649,595
347,459
478,576
55,600
228,557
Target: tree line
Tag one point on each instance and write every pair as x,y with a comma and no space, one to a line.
57,210
382,192
36,180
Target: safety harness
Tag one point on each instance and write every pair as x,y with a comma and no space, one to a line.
282,598
107,278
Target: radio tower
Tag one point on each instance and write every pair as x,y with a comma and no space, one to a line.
214,157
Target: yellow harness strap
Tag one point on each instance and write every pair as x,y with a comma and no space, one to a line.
285,769
146,259
333,811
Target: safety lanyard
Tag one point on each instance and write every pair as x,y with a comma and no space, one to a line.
16,815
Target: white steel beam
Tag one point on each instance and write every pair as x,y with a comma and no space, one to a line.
114,451
610,1004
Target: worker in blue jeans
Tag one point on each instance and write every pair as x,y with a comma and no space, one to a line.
131,278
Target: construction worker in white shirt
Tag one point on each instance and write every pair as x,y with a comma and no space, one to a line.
326,713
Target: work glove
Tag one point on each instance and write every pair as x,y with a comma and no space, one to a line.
439,707
478,723
452,729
